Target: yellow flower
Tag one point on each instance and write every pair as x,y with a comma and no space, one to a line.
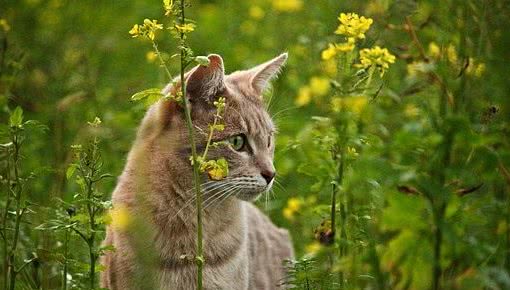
381,58
346,46
304,96
475,68
329,52
313,248
4,25
135,31
480,69
256,12
216,169
352,151
151,56
147,29
167,5
411,110
334,48
434,50
451,53
288,5
120,218
186,28
293,206
319,86
355,104
353,26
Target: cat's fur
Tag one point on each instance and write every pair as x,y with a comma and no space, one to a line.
242,248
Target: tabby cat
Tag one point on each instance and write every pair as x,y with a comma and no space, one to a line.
242,248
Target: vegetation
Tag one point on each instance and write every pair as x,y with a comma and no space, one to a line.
393,154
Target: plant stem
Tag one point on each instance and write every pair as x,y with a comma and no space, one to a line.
92,222
4,225
438,239
19,212
66,249
161,60
196,177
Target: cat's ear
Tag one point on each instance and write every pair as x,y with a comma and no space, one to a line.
261,75
204,82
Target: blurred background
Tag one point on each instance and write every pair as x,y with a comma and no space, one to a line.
66,62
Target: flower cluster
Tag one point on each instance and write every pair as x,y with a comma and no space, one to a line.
147,29
216,169
379,57
353,26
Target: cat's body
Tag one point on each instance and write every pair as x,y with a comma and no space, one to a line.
242,248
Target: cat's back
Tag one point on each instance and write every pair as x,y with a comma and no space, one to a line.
269,247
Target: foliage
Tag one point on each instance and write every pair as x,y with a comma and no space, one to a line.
392,154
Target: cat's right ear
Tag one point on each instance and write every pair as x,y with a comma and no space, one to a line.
205,82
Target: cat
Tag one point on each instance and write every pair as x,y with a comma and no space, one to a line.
242,248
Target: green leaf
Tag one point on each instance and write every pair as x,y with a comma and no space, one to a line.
202,60
70,171
151,94
16,118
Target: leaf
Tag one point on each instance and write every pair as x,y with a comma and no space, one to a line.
70,170
151,94
202,60
16,118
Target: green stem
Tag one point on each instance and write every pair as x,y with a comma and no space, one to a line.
92,225
343,208
507,234
66,253
437,270
161,60
196,177
19,213
4,226
333,211
211,132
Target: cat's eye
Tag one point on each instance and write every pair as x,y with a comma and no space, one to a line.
269,142
237,142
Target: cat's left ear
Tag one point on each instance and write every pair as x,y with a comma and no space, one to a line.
205,81
261,75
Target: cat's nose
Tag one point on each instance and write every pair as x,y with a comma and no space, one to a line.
268,175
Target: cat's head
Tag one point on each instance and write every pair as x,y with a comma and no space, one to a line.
249,133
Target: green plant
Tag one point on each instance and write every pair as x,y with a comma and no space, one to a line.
16,204
88,209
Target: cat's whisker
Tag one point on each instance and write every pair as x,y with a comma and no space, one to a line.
224,196
210,187
218,192
279,185
275,115
219,196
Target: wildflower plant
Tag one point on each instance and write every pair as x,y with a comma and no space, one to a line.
215,169
338,134
15,203
91,206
